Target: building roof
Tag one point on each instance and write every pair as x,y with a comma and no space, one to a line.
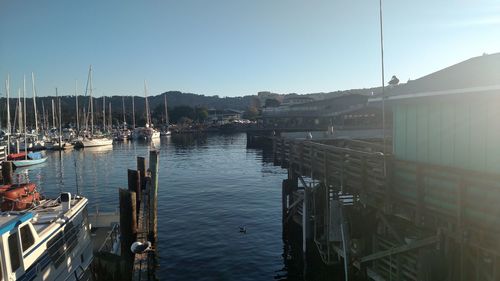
473,75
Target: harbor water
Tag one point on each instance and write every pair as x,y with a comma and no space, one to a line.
210,186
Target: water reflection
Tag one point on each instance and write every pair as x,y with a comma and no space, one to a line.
209,186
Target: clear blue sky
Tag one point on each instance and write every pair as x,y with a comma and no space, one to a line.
237,47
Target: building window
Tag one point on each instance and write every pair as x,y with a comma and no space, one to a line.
14,252
27,238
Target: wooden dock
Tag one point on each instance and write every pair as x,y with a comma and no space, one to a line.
137,223
388,219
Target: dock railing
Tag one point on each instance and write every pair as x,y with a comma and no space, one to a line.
437,203
351,170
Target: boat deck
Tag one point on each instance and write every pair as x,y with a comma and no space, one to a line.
41,216
104,227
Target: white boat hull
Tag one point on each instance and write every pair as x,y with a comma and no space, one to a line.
96,142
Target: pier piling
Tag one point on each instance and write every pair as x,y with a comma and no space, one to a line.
141,168
128,223
134,184
153,193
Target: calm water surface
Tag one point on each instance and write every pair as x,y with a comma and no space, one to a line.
209,186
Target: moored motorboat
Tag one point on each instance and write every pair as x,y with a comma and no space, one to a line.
46,240
96,142
29,159
146,133
56,146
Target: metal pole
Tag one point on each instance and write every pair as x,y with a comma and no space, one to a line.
9,127
383,85
133,113
24,117
34,103
77,110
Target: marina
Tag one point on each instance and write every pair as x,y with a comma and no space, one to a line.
186,160
249,140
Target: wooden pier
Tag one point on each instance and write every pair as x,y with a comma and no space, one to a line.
388,219
137,223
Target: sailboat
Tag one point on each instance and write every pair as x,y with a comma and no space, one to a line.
93,140
122,133
26,159
60,144
147,132
37,143
166,131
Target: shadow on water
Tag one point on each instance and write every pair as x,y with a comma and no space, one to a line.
188,141
265,154
300,266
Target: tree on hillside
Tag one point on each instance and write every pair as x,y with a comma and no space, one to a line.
181,111
251,113
272,103
201,114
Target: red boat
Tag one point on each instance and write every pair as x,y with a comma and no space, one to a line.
16,156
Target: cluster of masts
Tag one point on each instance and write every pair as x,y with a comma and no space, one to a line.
83,133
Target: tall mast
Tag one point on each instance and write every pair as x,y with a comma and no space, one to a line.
147,105
91,103
19,111
77,109
166,112
110,120
103,113
133,113
60,118
7,88
24,117
44,123
53,115
34,103
123,111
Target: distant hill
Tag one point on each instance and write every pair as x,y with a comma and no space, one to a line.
174,99
68,106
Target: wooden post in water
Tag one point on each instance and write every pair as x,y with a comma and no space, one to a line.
134,184
141,168
284,204
305,219
153,193
7,172
128,223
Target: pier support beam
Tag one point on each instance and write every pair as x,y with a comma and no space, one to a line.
141,168
128,223
134,184
153,194
306,223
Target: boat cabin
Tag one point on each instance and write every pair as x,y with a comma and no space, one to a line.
50,241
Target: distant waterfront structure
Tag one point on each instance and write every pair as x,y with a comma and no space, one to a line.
222,117
340,112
